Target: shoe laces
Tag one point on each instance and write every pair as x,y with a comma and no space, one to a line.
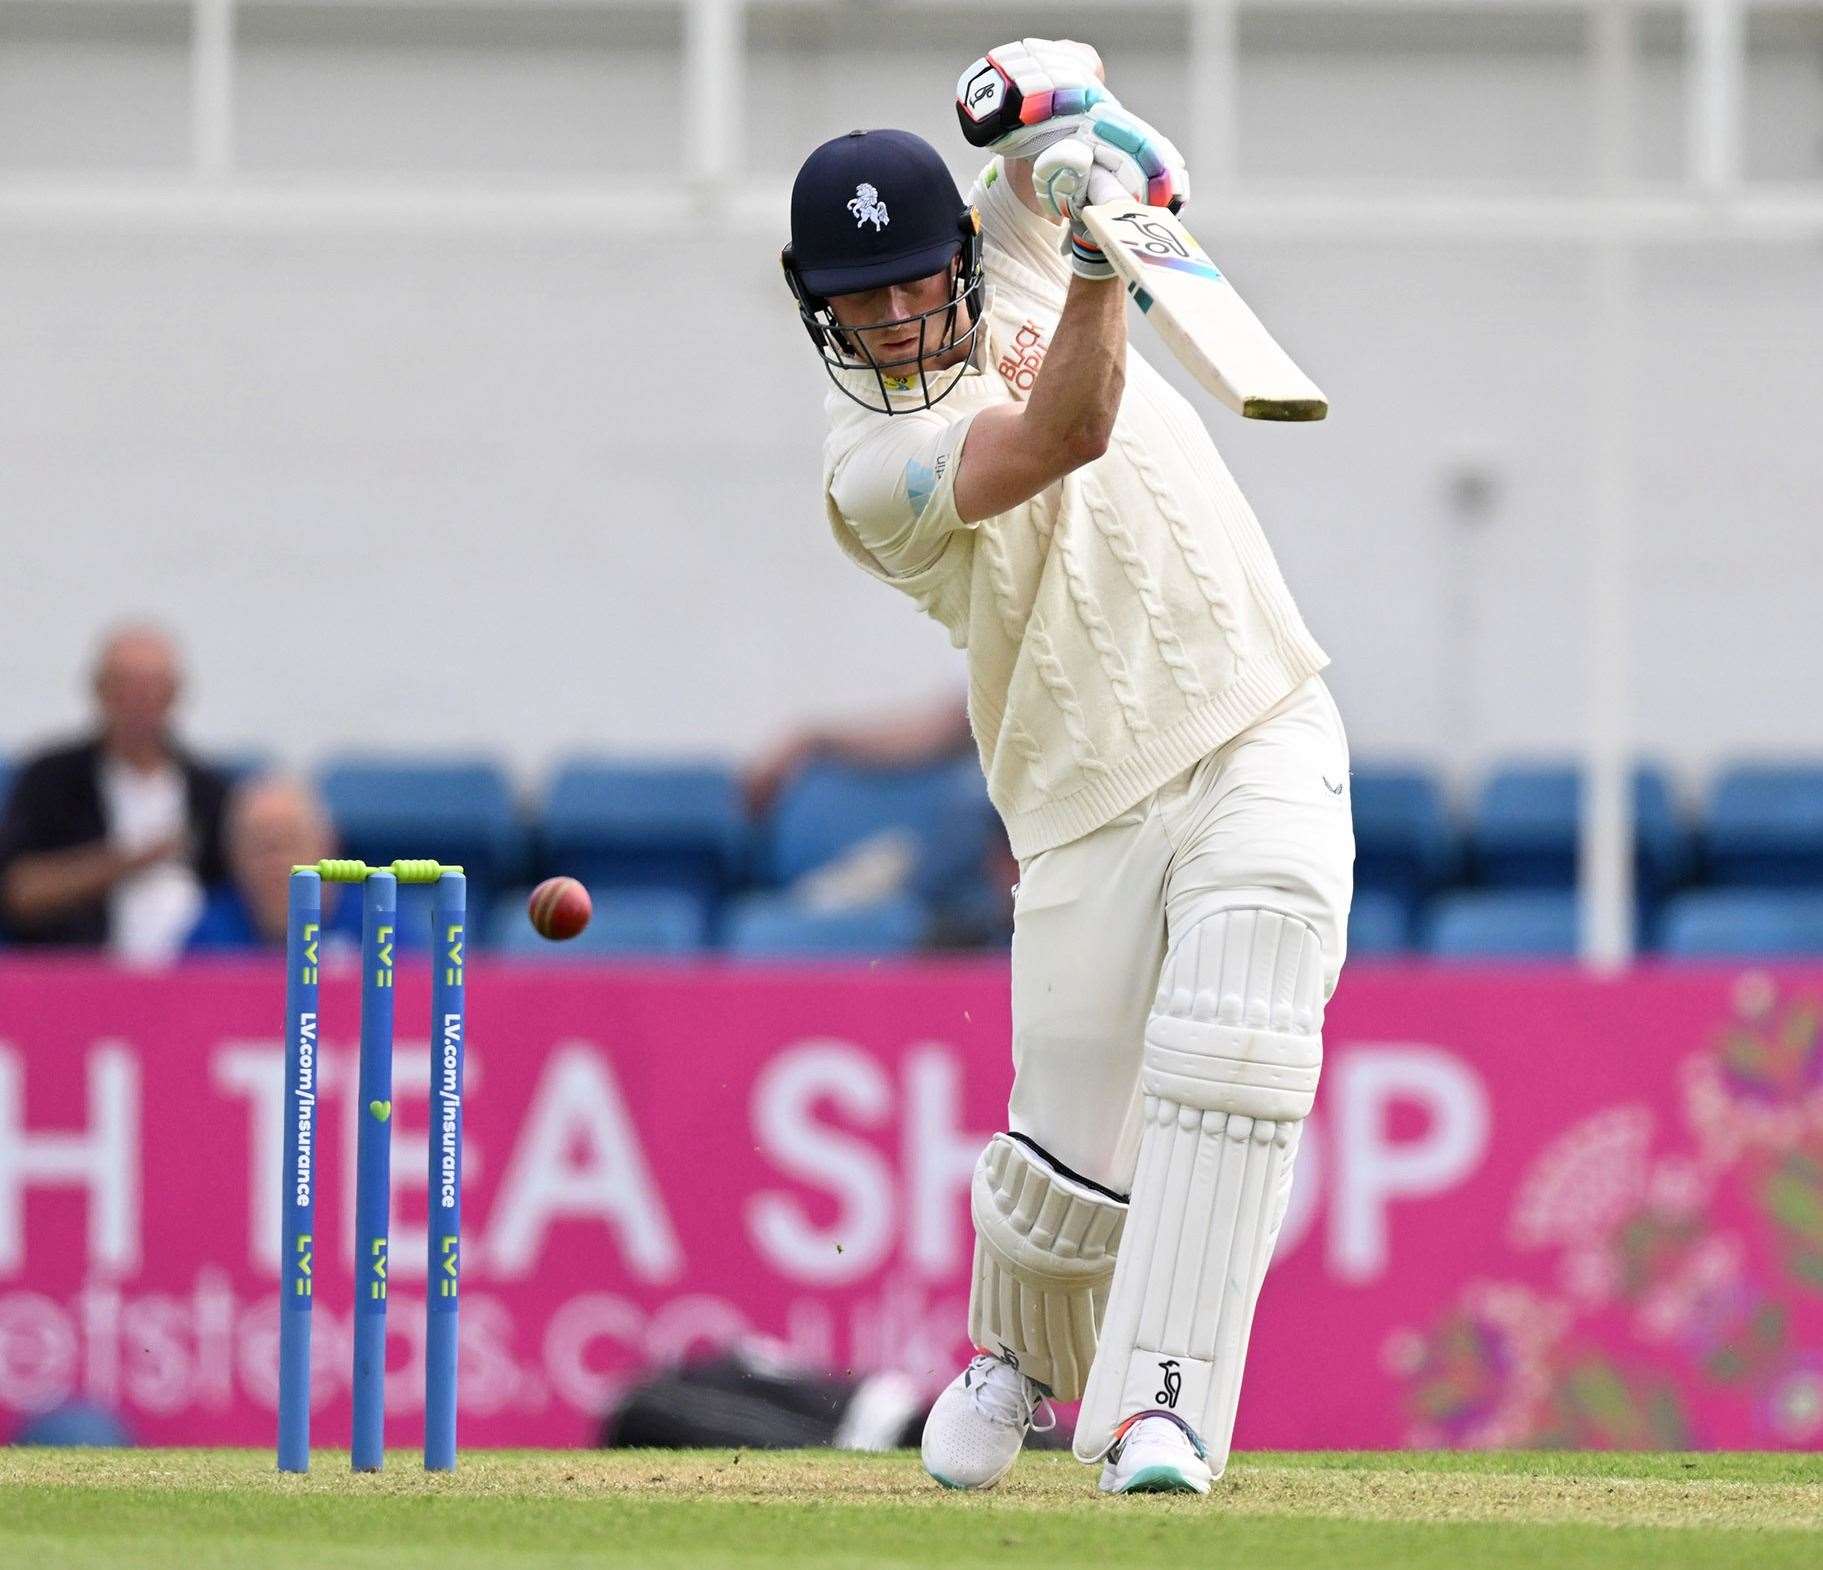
1004,1395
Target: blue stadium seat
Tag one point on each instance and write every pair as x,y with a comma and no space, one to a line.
457,810
1378,923
74,1422
633,825
626,921
1524,829
1503,924
773,926
1404,844
832,807
1766,826
1723,922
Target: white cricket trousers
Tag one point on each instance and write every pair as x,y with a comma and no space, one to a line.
1264,821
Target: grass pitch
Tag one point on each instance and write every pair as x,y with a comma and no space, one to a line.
202,1509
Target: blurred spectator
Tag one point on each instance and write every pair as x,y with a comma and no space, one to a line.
977,916
112,839
273,824
902,741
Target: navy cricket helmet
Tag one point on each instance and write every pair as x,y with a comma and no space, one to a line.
869,210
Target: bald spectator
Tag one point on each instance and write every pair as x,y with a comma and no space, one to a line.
111,840
274,824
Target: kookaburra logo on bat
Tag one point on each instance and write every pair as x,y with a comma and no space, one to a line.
1154,237
867,207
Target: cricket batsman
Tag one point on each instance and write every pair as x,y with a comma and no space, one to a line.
1171,770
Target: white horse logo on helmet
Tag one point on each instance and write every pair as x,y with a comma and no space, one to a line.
867,207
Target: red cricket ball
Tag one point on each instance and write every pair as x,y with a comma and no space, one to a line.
559,908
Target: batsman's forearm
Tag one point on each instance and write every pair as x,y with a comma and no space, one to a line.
1019,177
1077,394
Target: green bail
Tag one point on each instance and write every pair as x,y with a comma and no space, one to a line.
336,870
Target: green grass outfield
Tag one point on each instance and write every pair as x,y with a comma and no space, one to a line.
200,1509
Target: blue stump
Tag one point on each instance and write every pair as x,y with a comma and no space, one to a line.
373,1168
297,1190
443,1276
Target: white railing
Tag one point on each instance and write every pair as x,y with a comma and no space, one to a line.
1713,200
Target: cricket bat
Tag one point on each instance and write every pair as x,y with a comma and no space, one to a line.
1203,321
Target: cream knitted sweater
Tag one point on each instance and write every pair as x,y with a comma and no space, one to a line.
1120,625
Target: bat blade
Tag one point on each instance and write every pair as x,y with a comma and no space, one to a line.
1201,318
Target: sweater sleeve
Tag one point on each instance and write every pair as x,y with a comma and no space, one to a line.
896,488
1033,244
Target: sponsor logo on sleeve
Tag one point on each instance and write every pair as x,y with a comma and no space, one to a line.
1019,365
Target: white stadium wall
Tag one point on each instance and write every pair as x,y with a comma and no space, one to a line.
538,491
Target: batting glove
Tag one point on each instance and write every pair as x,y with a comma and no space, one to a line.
1144,160
1068,178
1114,156
1023,96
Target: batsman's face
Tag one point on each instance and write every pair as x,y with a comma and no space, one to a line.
885,321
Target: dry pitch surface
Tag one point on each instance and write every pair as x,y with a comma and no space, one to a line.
196,1510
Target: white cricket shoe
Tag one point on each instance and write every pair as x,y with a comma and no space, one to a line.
1156,1453
975,1431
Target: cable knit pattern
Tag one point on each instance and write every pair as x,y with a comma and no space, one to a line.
1184,537
1101,635
1027,767
1025,745
1043,525
1063,693
1121,624
991,548
1122,547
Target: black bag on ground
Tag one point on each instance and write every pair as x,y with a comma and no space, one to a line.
744,1399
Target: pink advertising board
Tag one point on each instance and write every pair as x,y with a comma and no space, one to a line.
1534,1208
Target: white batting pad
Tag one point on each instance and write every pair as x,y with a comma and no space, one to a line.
1044,1253
1233,1051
